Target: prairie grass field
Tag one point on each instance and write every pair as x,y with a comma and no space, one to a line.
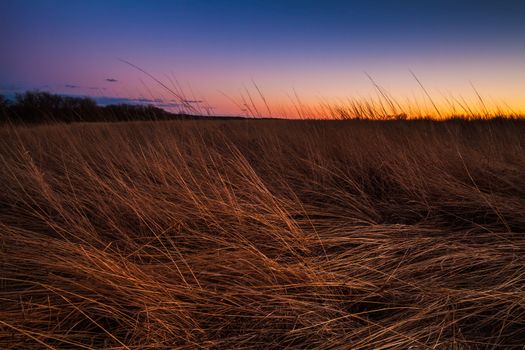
263,234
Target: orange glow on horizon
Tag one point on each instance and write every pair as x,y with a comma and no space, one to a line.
379,103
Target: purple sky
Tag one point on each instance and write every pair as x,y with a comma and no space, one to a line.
318,50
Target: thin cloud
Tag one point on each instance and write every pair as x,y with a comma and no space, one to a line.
135,101
111,80
71,86
147,100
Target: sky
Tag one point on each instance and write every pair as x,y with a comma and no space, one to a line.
223,51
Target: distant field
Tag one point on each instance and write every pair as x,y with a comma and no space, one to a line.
263,234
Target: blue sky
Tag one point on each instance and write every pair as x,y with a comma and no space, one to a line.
315,47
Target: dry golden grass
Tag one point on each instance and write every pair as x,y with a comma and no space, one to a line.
263,234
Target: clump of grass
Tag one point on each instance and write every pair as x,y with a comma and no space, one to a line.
263,234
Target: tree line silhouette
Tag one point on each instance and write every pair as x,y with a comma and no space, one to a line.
38,107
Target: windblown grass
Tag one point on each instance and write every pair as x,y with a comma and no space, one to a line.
263,234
